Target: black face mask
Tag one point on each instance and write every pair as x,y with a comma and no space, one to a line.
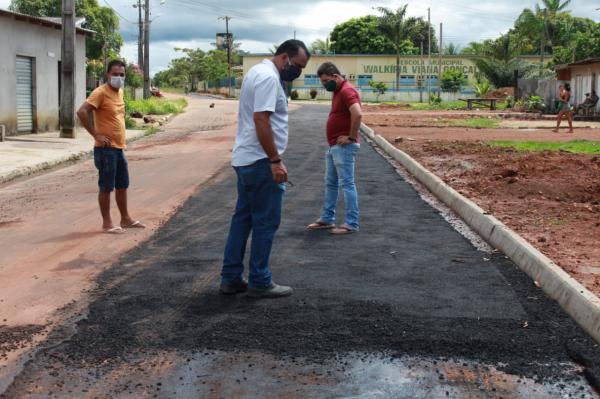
290,72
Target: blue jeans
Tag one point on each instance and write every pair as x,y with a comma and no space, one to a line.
113,171
340,160
258,210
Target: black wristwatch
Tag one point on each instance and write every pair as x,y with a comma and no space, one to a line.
276,161
351,139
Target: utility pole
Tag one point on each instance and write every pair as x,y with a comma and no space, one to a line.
428,54
543,44
420,82
227,18
140,35
67,95
147,49
294,34
440,66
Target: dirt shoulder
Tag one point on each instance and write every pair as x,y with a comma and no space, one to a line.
551,198
50,228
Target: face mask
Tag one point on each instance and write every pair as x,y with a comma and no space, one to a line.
117,82
290,72
330,85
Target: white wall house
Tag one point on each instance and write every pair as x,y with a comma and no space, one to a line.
30,53
583,76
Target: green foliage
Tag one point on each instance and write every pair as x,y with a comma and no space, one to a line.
364,36
320,46
195,66
475,123
129,122
510,101
501,73
155,106
379,87
575,146
134,78
452,80
535,103
482,87
448,105
435,99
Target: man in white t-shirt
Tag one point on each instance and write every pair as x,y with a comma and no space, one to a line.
261,140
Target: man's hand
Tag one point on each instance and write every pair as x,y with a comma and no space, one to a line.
280,173
344,140
105,141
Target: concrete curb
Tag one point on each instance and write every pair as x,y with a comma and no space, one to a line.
580,303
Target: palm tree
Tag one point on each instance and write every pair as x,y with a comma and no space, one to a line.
397,29
320,46
554,6
452,49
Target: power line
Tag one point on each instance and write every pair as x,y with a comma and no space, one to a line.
119,15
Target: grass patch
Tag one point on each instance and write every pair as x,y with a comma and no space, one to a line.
474,123
173,90
155,106
575,146
151,131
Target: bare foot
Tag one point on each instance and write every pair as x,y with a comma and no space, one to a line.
571,131
555,130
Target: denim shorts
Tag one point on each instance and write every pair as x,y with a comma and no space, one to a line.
112,169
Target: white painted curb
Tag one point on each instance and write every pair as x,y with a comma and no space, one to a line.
580,303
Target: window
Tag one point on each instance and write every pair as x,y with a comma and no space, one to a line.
363,80
311,80
408,80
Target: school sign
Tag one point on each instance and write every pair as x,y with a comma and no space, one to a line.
416,73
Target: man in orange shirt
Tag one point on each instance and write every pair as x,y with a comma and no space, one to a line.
108,131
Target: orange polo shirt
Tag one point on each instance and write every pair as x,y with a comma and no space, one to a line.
109,114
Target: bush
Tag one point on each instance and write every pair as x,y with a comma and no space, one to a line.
436,98
510,102
379,87
534,104
129,122
452,80
155,106
313,93
294,95
482,88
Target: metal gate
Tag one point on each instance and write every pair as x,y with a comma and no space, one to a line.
24,94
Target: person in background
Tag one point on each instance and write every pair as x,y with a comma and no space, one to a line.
564,110
343,139
108,130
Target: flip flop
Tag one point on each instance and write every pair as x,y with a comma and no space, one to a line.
320,225
135,225
114,230
342,230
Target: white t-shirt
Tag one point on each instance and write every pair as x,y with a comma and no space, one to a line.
261,91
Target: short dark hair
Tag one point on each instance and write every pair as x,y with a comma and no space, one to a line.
328,68
567,86
292,48
115,63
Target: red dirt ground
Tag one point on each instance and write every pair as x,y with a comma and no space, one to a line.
551,198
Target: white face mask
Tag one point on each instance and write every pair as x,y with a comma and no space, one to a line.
117,82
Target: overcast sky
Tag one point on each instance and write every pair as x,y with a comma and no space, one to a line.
258,24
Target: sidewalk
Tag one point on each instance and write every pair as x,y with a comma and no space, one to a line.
31,153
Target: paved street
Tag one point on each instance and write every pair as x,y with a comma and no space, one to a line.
407,308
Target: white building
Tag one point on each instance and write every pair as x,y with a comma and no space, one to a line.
584,77
30,80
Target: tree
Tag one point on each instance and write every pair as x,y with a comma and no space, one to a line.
452,80
397,30
320,46
359,36
452,49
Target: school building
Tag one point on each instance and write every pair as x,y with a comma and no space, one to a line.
418,74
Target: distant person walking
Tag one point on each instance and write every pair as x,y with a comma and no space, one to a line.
564,109
108,130
261,141
343,138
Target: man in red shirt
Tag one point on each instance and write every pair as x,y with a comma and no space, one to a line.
343,127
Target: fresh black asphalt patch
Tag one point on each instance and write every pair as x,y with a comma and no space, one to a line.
407,285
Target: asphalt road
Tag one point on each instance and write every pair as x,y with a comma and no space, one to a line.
407,308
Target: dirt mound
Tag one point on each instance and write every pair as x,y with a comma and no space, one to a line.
501,93
551,198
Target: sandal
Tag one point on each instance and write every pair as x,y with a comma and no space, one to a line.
320,225
115,230
343,229
135,225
